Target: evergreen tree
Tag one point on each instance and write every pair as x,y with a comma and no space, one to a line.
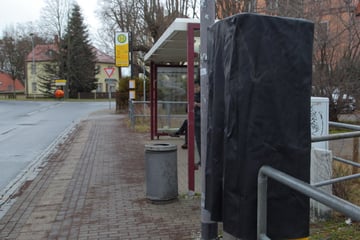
78,55
51,70
47,79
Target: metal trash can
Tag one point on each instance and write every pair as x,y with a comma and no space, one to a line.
161,172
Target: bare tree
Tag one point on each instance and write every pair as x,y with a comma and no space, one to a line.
231,7
157,19
336,59
119,15
194,5
336,54
146,20
289,8
11,56
14,47
55,16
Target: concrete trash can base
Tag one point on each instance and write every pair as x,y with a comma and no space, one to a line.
161,172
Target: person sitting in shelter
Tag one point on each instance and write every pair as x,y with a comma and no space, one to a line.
197,117
182,131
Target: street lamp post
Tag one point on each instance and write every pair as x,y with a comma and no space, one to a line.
33,64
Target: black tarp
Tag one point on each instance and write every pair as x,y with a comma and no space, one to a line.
260,70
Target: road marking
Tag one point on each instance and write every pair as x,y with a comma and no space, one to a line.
7,131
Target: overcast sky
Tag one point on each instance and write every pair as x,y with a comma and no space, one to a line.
22,11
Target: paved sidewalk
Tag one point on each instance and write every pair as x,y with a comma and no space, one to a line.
93,187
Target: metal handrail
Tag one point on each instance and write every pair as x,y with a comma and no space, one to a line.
332,201
336,180
356,133
133,115
345,125
339,135
339,159
335,136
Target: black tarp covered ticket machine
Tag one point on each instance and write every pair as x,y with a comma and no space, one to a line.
260,70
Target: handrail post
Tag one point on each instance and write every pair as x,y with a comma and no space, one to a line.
262,205
336,203
355,154
131,113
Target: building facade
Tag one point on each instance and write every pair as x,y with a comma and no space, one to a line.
43,55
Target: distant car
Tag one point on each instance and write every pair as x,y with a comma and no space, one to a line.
348,103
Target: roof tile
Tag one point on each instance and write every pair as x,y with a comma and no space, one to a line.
6,83
42,53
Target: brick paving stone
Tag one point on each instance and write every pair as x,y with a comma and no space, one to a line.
93,187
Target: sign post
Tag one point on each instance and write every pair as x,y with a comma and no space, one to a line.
110,82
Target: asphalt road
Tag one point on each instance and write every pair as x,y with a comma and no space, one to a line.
29,131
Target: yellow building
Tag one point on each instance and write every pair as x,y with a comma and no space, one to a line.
41,55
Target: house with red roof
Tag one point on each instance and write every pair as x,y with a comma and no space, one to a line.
7,84
41,55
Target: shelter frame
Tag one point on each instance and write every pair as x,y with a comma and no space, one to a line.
168,50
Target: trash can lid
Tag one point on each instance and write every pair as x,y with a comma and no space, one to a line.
160,147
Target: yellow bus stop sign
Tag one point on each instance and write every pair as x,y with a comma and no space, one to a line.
122,49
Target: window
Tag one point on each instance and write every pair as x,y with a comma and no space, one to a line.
33,68
34,87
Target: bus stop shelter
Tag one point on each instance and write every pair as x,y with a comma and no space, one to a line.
176,47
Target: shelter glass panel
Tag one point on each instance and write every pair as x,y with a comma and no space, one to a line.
171,96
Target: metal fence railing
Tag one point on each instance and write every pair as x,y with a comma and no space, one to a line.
331,201
334,202
138,109
170,113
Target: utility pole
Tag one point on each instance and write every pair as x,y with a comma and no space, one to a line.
33,65
209,229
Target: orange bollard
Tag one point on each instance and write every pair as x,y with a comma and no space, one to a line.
59,93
